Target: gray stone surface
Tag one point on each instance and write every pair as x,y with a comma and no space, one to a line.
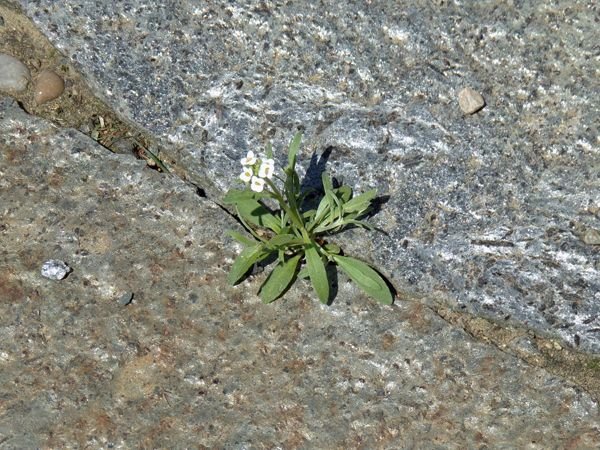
487,210
193,363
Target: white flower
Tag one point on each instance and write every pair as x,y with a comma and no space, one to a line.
246,175
257,184
249,160
267,168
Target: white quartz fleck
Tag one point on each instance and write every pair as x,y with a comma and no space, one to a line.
55,269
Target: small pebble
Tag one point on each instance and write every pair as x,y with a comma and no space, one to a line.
124,146
14,75
1,21
470,101
125,299
48,86
556,346
591,237
55,269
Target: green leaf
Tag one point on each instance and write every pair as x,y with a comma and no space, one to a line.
327,182
366,278
244,240
292,188
234,196
359,223
344,193
269,151
332,249
323,211
245,260
317,272
284,240
254,212
293,150
323,206
308,215
279,279
156,159
334,202
361,202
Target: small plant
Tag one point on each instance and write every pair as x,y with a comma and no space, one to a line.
293,236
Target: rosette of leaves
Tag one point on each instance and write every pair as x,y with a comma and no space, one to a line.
294,239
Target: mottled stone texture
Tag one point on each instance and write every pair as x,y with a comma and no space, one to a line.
193,363
486,210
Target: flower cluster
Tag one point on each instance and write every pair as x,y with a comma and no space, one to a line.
255,170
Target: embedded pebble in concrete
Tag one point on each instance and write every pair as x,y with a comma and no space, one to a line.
125,299
470,101
55,270
48,86
14,75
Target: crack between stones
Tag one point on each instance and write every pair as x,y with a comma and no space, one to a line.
581,369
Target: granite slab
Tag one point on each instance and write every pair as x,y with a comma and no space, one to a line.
491,210
144,345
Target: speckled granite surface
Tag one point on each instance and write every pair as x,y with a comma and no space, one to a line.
193,363
489,210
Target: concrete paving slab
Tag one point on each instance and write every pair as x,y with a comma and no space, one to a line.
493,211
189,362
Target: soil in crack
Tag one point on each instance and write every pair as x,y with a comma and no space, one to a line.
77,107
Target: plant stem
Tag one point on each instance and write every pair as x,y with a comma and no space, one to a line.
291,212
